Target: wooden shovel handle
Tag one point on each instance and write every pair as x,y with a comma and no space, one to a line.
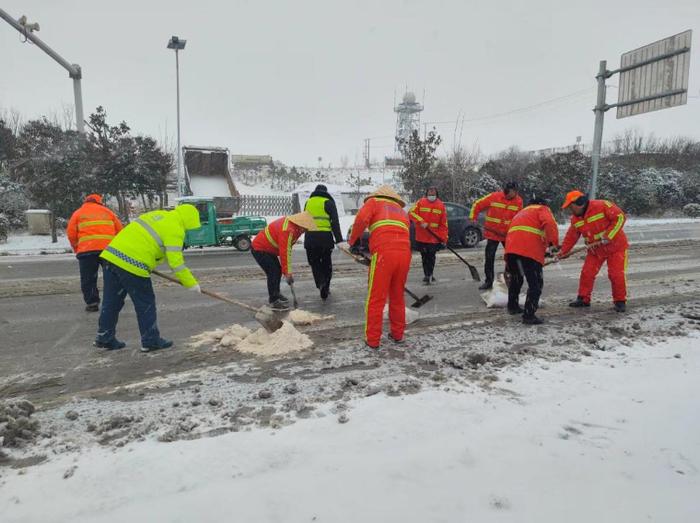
209,293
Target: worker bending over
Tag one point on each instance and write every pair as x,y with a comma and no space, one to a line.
430,217
390,247
319,244
500,207
532,232
90,229
129,259
601,223
272,249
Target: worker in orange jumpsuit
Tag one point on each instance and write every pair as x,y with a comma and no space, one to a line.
533,232
90,229
500,207
600,222
390,247
272,249
430,217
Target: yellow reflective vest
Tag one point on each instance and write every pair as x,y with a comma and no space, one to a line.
152,238
316,205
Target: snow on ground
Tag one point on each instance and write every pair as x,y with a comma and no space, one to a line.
610,438
632,222
34,244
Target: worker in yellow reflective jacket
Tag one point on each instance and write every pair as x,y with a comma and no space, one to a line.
129,258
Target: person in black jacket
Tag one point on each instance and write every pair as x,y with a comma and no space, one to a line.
319,244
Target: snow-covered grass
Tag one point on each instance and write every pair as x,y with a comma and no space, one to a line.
609,439
34,244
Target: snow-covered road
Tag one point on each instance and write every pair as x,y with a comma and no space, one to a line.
612,438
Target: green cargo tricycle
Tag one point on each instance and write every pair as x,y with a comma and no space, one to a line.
236,231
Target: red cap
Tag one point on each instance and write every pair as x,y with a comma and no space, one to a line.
571,197
93,198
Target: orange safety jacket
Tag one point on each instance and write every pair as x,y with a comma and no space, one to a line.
499,215
92,227
602,220
435,215
277,238
387,223
531,231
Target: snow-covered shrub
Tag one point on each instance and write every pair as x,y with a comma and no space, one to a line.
13,201
692,210
4,228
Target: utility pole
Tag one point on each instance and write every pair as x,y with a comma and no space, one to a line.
599,111
366,153
178,45
74,71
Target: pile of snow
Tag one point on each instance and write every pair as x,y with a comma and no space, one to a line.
209,186
260,342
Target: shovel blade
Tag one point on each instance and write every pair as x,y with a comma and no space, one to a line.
269,319
421,301
474,273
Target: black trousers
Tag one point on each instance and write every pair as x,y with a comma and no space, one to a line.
320,259
521,268
273,270
89,263
427,256
490,258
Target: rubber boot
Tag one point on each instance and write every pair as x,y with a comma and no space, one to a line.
620,306
532,320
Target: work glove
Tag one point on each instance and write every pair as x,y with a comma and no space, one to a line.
424,225
195,288
604,241
343,246
290,279
552,251
355,249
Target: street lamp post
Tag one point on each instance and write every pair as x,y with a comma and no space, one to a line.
74,71
178,45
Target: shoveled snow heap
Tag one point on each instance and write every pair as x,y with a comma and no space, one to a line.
260,342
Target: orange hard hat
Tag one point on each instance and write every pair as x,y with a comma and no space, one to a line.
571,197
93,198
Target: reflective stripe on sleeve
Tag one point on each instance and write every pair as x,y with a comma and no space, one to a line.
498,204
618,226
179,268
513,208
494,220
424,209
437,211
595,217
579,224
173,248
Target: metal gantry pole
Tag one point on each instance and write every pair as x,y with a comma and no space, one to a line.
599,110
74,70
180,181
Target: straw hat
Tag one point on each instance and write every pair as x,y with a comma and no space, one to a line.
387,191
303,220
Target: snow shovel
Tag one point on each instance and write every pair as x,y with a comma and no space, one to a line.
264,315
294,295
363,260
472,269
573,251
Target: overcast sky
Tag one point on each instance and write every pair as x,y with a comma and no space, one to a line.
303,79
